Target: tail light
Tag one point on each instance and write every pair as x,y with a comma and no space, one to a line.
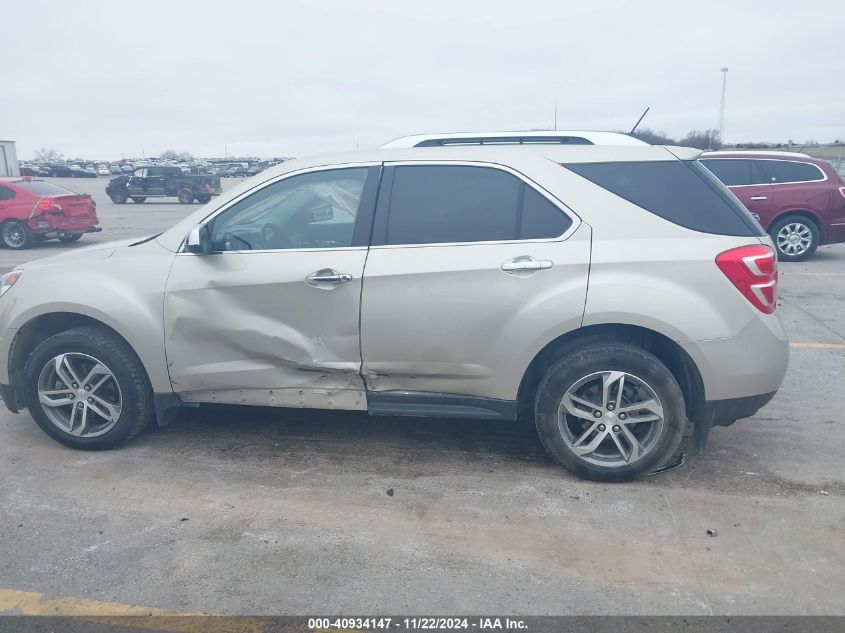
842,191
754,272
53,208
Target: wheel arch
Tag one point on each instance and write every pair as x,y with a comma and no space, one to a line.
43,326
679,363
804,213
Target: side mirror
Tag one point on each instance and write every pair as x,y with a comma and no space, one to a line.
322,214
199,240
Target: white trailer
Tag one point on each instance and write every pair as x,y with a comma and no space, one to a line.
8,159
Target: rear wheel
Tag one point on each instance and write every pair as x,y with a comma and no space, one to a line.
138,199
610,412
17,235
118,197
204,198
185,196
87,389
70,238
796,238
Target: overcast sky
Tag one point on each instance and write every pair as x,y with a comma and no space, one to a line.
273,78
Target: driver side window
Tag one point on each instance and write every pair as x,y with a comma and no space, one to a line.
313,210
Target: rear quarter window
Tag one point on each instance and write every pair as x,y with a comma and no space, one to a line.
783,171
682,192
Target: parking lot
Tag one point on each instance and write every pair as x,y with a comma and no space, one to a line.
233,510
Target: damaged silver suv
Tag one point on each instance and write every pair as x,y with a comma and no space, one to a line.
612,293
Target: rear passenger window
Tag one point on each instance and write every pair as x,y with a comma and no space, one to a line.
684,193
6,193
731,171
445,204
788,171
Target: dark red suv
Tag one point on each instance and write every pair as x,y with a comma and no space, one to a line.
799,200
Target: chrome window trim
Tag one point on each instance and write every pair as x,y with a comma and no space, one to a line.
563,208
766,184
267,183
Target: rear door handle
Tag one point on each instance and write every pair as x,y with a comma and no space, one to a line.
759,198
526,264
327,278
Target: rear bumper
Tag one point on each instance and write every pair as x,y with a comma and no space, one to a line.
64,225
726,412
753,363
835,234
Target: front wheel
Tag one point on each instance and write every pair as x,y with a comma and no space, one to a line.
796,238
17,235
139,199
610,412
185,196
87,389
119,197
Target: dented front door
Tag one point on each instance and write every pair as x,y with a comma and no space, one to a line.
275,323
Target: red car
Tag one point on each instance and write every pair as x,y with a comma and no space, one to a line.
32,210
799,200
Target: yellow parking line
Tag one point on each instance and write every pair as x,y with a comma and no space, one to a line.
817,345
14,602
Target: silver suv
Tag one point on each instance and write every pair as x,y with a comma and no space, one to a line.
609,293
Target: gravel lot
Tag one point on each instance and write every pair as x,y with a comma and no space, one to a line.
269,511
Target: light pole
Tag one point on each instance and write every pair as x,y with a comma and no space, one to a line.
722,104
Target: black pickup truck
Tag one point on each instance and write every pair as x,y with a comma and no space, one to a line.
162,181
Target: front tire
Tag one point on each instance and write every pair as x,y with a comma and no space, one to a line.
139,199
185,196
119,197
610,412
17,235
796,238
87,389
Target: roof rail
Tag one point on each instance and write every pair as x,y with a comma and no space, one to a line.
543,137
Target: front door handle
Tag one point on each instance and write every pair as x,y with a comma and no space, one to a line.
327,278
526,264
759,198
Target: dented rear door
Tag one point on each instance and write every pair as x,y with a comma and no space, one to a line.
272,317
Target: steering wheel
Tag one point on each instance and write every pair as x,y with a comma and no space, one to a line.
272,236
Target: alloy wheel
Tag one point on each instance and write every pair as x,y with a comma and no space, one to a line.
80,395
13,235
794,239
611,418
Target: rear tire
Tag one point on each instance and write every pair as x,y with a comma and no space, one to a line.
796,238
139,199
185,196
204,198
602,440
124,394
17,235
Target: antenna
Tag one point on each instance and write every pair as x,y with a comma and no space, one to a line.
722,104
642,116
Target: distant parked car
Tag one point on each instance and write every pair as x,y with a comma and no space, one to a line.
32,170
75,171
32,210
103,170
114,170
126,169
799,200
256,168
235,171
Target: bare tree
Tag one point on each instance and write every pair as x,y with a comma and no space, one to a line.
654,138
45,155
702,139
172,154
